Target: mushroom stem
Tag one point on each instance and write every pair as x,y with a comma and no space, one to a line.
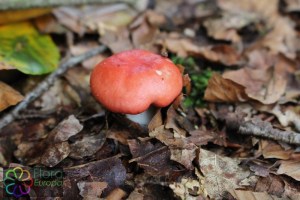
143,118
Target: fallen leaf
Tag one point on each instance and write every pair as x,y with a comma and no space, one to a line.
272,184
250,195
135,195
259,170
65,129
91,190
221,173
280,37
272,149
187,188
110,170
116,194
48,24
117,42
154,158
23,48
12,16
220,89
8,96
290,168
184,156
55,153
91,18
292,5
87,146
260,84
287,117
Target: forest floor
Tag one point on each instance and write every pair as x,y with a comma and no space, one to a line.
233,133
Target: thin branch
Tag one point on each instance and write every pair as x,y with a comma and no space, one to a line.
45,84
257,127
24,4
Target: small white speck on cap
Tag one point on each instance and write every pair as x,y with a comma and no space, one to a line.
158,72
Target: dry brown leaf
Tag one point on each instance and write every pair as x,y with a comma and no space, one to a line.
83,48
250,195
287,117
272,184
259,84
117,42
110,170
65,129
91,18
55,153
223,54
8,96
116,194
184,156
12,16
187,188
154,158
271,149
292,5
91,190
263,83
282,38
220,89
221,173
217,30
48,24
142,31
87,146
290,168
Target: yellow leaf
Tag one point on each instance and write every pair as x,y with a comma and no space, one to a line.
23,48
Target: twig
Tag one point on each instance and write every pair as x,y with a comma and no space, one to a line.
259,128
23,4
44,86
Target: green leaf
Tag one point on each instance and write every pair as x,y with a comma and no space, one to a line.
23,48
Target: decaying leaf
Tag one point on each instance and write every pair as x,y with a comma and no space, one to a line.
116,194
23,48
221,89
110,171
91,190
12,16
8,96
55,154
272,149
154,158
290,168
187,188
250,195
272,184
103,18
65,129
221,173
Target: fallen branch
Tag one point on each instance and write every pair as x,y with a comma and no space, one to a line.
23,4
45,84
257,127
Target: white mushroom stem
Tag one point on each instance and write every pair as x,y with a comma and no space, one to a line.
143,118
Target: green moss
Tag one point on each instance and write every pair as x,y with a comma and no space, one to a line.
199,81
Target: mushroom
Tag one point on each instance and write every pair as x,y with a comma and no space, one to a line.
133,81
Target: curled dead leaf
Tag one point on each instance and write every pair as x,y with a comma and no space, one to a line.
220,89
8,96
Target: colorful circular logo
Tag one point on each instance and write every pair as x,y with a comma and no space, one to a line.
17,182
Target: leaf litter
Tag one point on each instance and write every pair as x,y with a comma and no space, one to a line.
251,50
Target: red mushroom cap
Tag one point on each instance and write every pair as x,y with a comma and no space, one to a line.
130,81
